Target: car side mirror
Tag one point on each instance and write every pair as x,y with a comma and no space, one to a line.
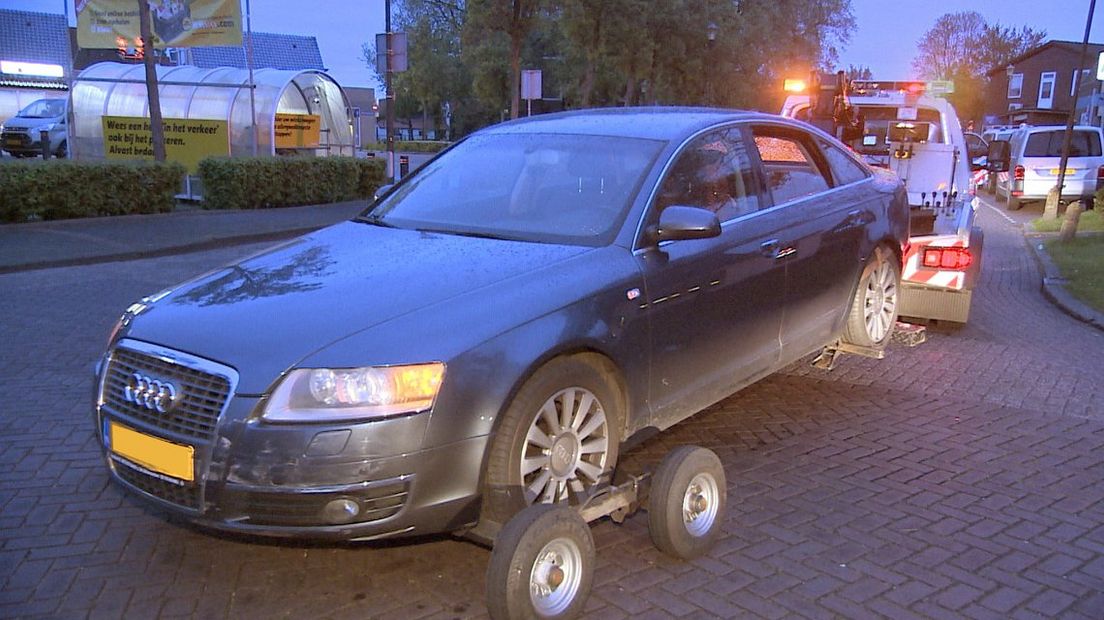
678,222
999,155
381,191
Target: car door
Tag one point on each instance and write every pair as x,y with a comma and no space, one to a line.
714,305
824,221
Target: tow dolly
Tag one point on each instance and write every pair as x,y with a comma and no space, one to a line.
542,563
908,334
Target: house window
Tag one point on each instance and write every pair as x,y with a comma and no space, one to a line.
1015,86
1046,90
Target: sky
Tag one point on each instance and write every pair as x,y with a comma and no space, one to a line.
884,40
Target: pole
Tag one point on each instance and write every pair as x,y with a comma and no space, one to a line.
390,95
69,133
252,84
157,132
1073,105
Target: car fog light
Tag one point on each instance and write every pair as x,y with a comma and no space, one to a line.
340,511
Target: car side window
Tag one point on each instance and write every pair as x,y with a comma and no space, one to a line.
844,168
789,164
713,172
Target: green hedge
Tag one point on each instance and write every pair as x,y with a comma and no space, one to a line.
57,189
416,146
262,182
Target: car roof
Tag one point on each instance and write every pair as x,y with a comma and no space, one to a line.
654,123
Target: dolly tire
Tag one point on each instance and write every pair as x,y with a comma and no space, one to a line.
542,565
687,502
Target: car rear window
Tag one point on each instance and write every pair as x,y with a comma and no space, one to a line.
1049,144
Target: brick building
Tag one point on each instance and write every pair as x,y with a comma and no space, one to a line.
1037,87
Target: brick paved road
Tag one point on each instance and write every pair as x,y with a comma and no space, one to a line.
964,478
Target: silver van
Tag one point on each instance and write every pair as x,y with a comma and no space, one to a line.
1033,167
21,135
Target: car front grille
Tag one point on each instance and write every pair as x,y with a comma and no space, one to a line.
202,392
201,396
186,496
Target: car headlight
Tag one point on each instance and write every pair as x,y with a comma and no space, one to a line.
343,394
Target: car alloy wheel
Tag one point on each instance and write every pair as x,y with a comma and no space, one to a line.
880,302
566,447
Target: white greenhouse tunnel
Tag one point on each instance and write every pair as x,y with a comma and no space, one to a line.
188,92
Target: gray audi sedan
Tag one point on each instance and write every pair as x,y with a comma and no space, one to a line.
496,327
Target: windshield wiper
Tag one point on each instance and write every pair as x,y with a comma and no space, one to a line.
375,220
465,233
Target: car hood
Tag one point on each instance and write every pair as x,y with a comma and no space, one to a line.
264,315
22,122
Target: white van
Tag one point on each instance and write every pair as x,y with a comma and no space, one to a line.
1036,154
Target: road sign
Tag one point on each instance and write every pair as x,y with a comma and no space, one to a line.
531,84
398,52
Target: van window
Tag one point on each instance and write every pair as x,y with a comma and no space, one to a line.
1049,144
881,122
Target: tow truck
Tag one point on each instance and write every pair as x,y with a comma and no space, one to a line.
907,127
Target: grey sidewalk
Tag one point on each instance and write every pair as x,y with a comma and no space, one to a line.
60,243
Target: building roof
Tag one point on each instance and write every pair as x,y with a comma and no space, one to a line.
35,37
273,51
1067,46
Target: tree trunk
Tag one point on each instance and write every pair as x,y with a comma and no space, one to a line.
157,131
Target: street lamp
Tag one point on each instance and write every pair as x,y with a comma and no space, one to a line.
711,36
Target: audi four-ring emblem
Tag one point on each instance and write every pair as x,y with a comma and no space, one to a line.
153,394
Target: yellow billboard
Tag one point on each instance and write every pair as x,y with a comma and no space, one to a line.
298,131
110,24
186,140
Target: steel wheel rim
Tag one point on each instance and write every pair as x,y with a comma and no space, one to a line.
880,302
700,505
566,448
555,577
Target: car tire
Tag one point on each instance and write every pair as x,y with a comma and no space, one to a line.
542,565
62,151
558,440
1014,203
876,301
686,503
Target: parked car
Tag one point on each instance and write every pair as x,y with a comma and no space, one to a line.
21,135
998,133
1035,157
495,327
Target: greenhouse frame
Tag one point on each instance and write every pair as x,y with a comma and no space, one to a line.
219,94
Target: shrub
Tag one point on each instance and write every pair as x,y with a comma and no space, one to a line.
58,189
412,146
262,182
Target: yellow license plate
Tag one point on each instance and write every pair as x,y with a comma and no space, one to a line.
163,457
1069,171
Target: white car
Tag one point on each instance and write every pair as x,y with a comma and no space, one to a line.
1033,166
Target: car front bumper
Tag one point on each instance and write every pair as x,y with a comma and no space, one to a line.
337,481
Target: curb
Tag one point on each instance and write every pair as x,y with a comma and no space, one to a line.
208,244
1054,287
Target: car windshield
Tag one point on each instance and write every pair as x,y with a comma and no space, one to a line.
1049,144
551,188
43,108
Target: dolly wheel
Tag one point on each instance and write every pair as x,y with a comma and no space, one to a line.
687,501
542,565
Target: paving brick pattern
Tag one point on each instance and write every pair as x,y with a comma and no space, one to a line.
960,479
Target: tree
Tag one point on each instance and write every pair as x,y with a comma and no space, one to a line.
513,19
434,70
963,47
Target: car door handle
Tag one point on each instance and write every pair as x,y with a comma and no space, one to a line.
770,248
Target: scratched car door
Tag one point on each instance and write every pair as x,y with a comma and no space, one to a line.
714,304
